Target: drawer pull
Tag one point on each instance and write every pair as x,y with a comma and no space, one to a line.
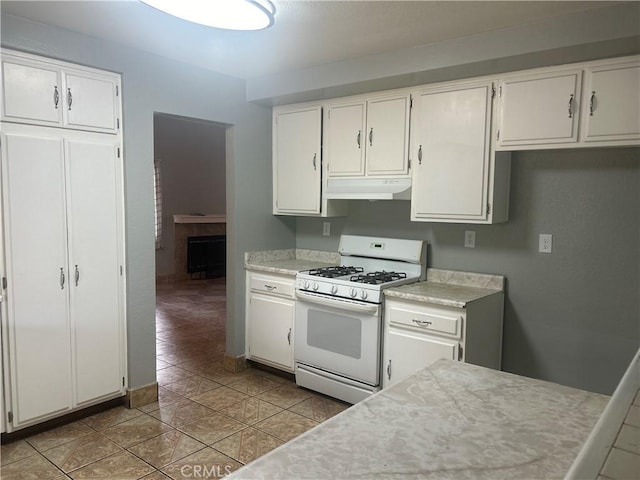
270,287
422,323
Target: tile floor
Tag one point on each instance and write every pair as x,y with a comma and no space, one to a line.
207,422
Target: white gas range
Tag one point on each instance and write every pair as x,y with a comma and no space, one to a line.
338,323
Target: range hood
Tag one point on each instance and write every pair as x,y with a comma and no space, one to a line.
368,188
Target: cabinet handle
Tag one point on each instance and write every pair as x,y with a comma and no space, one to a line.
56,96
62,278
69,98
420,155
289,337
270,287
389,370
571,106
422,323
371,137
591,102
314,162
77,275
358,138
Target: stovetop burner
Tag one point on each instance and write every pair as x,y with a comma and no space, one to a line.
334,272
377,278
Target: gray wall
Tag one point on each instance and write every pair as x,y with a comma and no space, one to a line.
572,316
192,156
154,84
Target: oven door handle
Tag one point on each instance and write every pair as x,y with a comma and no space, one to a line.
342,304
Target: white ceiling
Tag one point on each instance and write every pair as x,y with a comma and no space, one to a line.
305,34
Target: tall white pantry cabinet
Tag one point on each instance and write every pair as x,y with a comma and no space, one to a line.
62,263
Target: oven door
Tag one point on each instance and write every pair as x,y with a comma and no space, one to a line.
339,336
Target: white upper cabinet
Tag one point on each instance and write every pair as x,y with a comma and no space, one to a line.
368,136
51,93
539,109
454,176
297,150
611,110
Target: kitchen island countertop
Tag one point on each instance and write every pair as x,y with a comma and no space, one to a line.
451,420
289,261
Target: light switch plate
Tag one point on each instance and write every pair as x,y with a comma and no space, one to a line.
545,243
470,239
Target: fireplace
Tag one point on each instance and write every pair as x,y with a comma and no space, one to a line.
198,226
206,256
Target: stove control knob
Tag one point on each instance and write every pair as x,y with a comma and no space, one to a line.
353,293
315,286
306,285
334,289
363,294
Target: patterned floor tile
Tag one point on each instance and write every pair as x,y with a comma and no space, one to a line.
156,476
319,408
135,431
165,397
12,452
220,398
286,425
34,467
181,413
121,466
111,417
191,386
285,396
253,384
207,463
80,452
247,445
172,374
251,410
58,436
166,448
212,428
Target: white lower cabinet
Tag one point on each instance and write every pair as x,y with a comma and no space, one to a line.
416,334
270,319
64,331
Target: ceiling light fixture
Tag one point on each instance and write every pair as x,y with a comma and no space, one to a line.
226,14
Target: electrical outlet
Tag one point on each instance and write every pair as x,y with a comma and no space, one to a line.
545,243
470,239
326,228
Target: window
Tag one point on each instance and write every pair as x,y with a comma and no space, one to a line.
157,187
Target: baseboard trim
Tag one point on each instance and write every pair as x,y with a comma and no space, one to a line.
138,397
234,364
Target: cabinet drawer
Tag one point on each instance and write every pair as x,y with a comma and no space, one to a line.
272,284
431,319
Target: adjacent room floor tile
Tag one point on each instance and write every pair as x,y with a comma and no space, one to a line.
285,396
285,425
166,448
121,466
82,451
15,451
633,417
220,398
319,408
181,413
247,445
172,374
191,386
251,410
212,428
206,463
34,467
58,436
137,430
629,439
621,465
111,417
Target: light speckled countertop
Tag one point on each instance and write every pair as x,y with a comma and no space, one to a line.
450,421
289,261
449,288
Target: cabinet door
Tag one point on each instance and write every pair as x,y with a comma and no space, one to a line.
612,103
297,161
271,329
31,92
345,139
37,299
406,353
539,109
94,210
387,139
90,102
452,139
